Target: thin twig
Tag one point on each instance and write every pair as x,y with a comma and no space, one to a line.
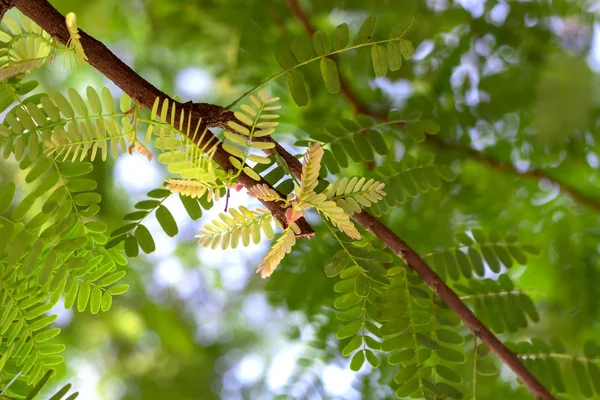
227,199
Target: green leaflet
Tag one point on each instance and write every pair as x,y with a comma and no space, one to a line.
41,166
46,335
321,43
106,302
330,75
77,102
6,196
341,37
6,355
93,100
394,55
159,193
406,373
71,296
407,48
24,207
448,374
397,342
83,297
69,245
349,330
476,262
166,220
285,59
402,28
301,49
87,199
108,100
191,206
131,247
110,279
134,216
365,31
32,258
486,368
372,358
340,260
362,286
118,289
427,342
408,388
450,354
297,87
39,386
416,132
147,204
449,336
352,345
490,259
17,250
71,170
357,361
379,57
95,300
363,146
144,239
449,391
125,102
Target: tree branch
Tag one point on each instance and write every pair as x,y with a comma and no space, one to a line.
439,287
532,174
465,151
106,62
100,57
414,260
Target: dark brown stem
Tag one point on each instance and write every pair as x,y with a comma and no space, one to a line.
414,260
439,287
227,199
101,58
106,62
466,152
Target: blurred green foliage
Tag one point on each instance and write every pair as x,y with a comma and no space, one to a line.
513,86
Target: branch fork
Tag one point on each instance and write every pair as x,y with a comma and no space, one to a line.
100,57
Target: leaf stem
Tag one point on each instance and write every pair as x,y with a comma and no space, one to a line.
414,331
301,64
474,367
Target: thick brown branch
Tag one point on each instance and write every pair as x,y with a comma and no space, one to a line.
435,283
100,57
107,63
412,258
466,152
438,286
